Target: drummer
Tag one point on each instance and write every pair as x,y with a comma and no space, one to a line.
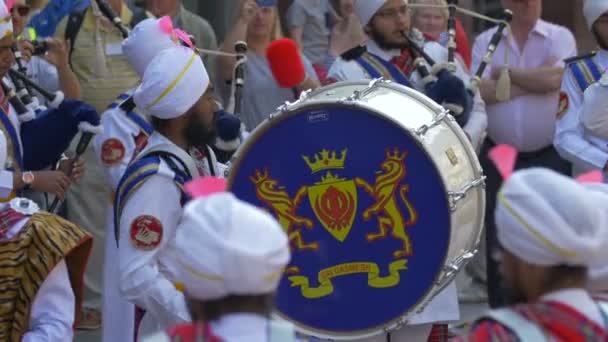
384,21
550,239
232,294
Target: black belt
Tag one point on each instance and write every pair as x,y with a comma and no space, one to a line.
525,155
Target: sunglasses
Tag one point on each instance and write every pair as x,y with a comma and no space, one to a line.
22,10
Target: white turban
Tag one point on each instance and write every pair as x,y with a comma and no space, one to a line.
145,41
6,21
598,274
173,82
225,246
593,9
548,219
365,9
594,111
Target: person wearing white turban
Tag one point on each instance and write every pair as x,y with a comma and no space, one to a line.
229,257
598,274
176,94
125,130
571,139
43,307
553,230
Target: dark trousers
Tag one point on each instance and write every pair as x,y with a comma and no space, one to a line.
547,158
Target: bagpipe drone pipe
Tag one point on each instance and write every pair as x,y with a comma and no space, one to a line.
441,83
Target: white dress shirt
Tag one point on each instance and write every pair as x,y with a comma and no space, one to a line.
525,122
343,70
52,311
570,140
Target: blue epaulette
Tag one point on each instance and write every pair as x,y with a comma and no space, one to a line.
584,69
135,176
140,121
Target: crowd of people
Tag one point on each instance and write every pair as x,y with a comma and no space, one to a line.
144,245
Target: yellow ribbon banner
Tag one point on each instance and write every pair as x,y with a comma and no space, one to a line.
373,277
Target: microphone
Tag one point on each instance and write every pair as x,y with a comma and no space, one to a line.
286,63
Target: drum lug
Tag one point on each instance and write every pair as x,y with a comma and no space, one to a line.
287,106
359,94
456,196
438,119
455,266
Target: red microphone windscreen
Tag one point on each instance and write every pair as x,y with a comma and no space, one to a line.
286,63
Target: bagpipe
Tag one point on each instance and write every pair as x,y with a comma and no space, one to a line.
441,83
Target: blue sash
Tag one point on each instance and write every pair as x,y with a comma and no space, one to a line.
585,72
141,123
134,177
377,67
12,135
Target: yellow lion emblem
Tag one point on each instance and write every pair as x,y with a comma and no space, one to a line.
384,191
284,208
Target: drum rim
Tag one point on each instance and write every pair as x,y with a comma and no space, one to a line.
314,104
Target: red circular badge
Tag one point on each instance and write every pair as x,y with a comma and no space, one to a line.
146,232
112,151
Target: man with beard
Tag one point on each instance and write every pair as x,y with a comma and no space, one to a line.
388,54
571,139
550,240
175,93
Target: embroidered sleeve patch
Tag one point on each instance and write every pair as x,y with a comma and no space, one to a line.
146,232
564,103
112,151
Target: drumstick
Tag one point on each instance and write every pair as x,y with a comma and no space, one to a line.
496,38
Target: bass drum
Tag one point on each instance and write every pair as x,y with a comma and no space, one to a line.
381,195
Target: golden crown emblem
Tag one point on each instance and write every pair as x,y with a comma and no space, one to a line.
323,161
395,155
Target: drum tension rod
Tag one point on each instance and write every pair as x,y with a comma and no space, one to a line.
436,121
456,196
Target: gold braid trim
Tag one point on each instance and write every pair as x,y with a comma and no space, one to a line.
26,261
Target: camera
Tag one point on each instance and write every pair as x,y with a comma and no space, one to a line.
40,48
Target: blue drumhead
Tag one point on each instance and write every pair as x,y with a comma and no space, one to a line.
365,210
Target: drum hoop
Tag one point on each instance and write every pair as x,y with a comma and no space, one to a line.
313,104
